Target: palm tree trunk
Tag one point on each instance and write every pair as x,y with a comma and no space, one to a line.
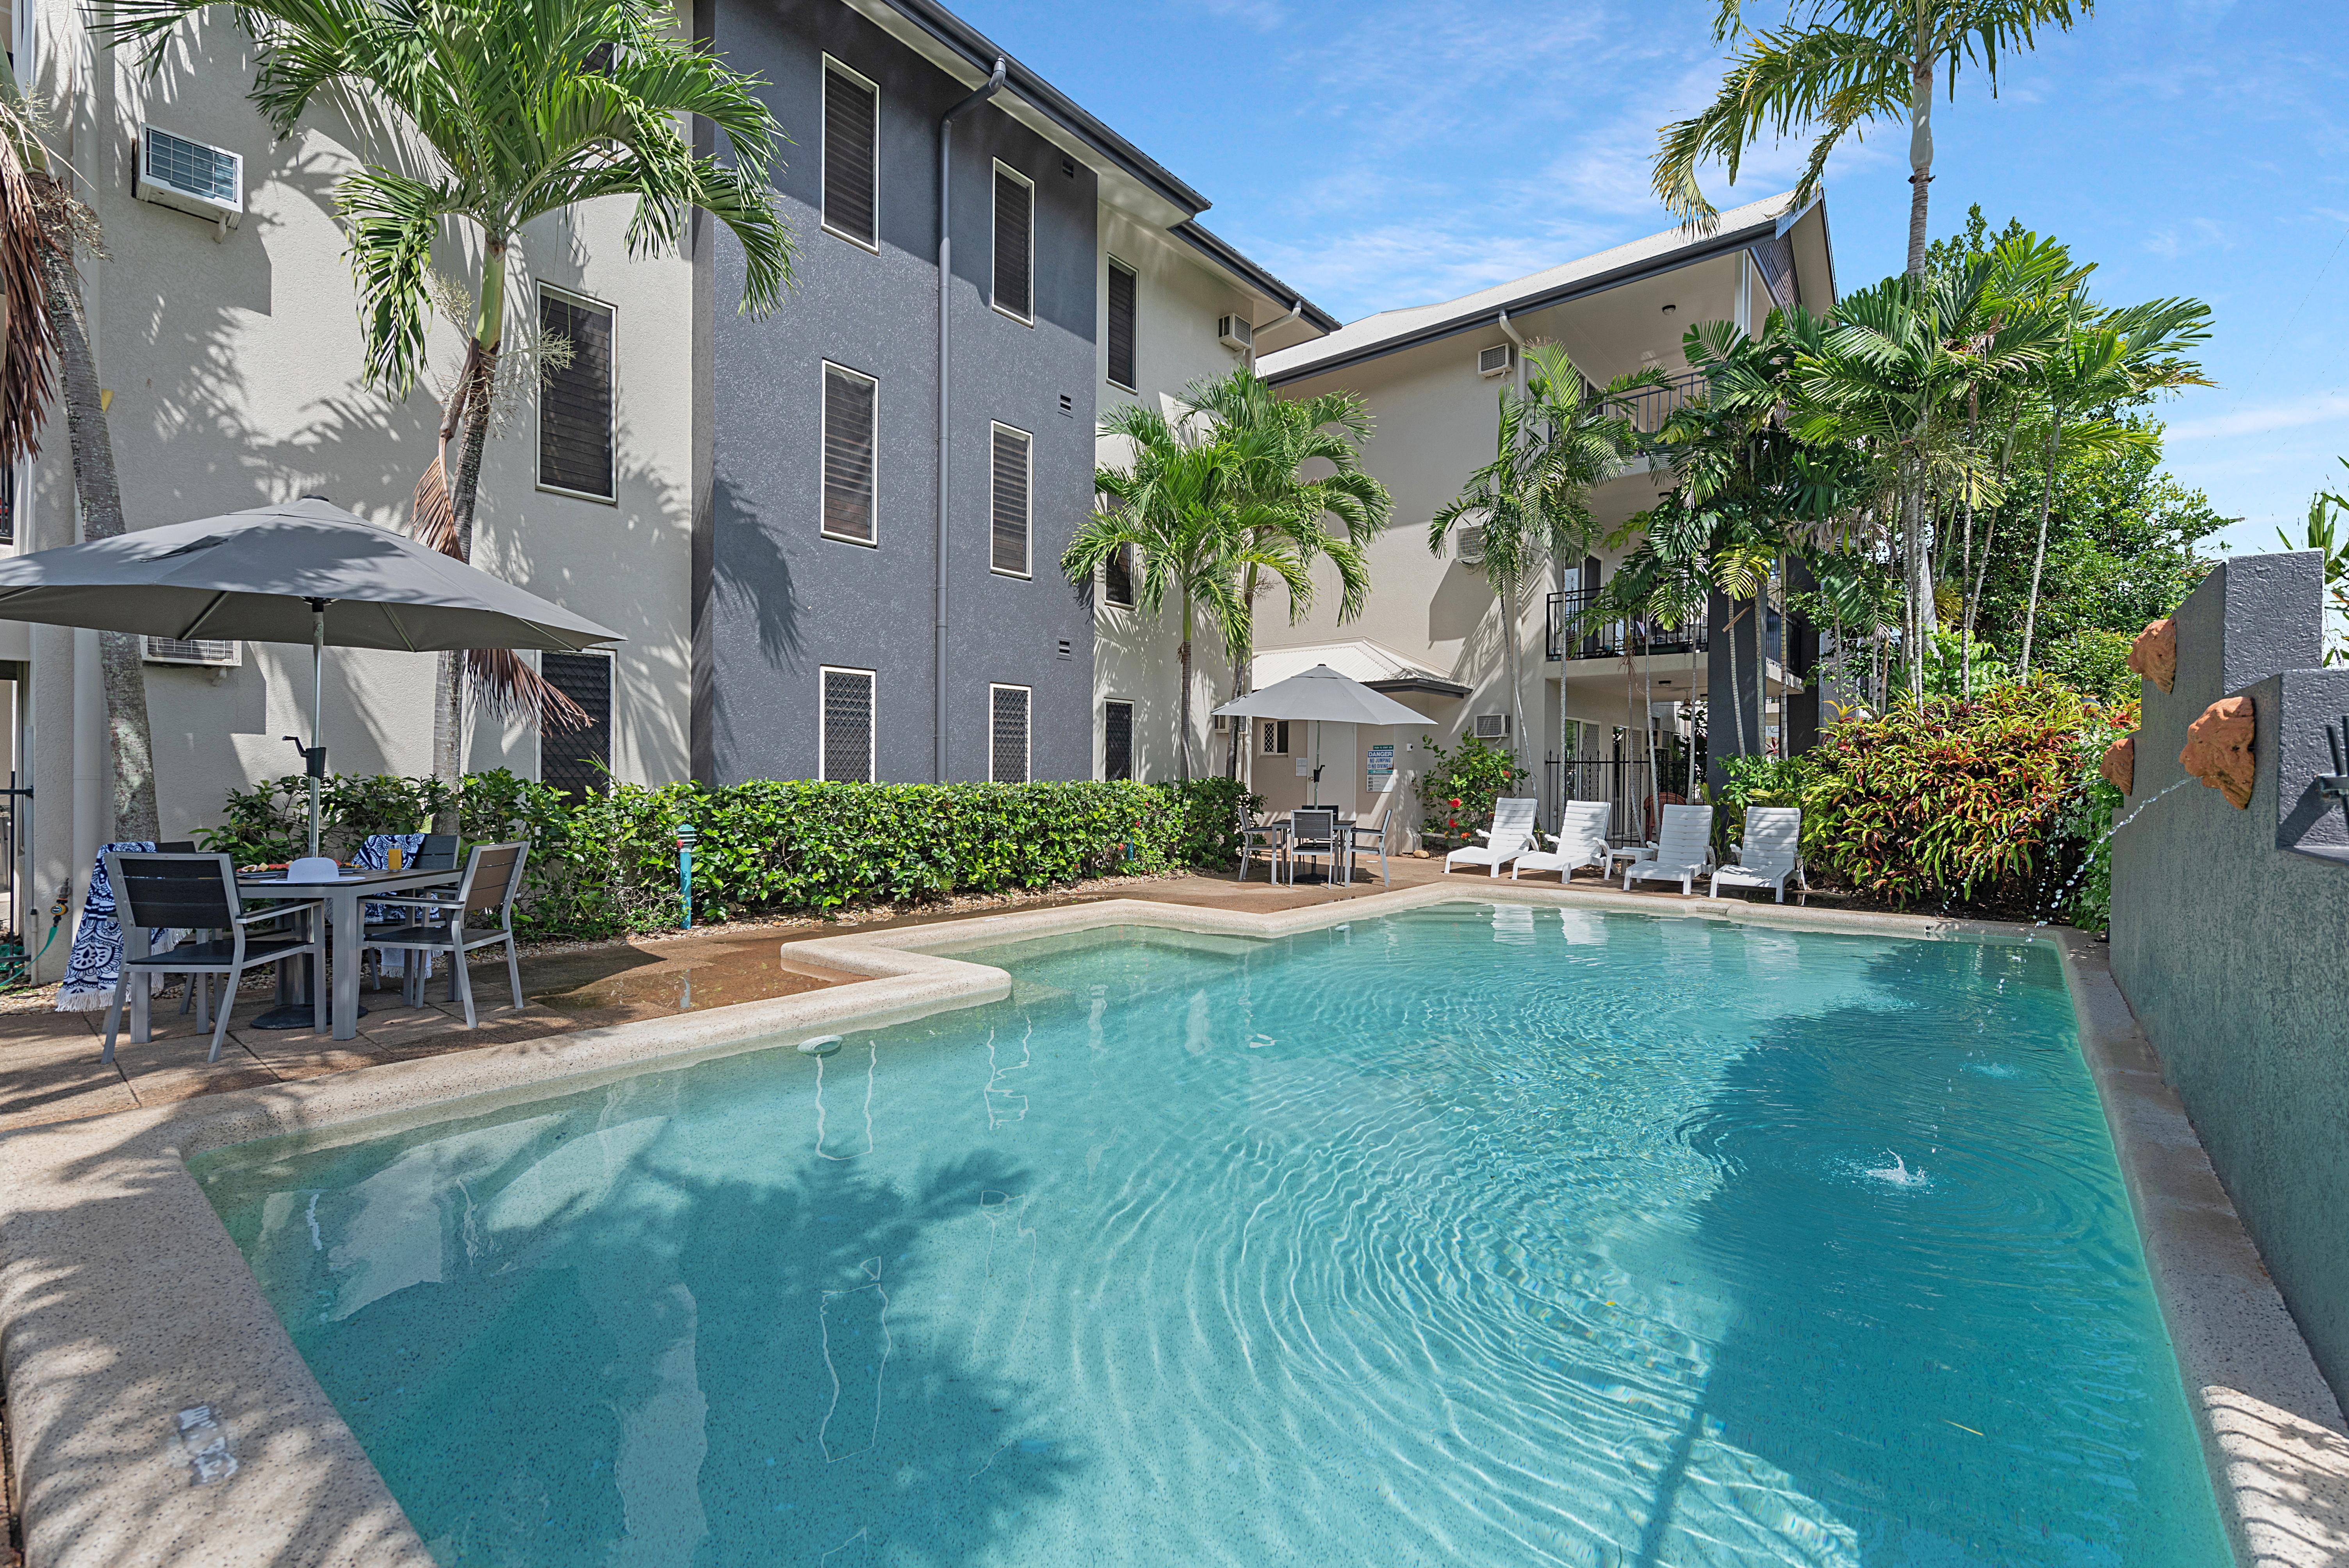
472,417
123,673
1920,151
1510,664
1243,676
1990,533
1183,704
2039,556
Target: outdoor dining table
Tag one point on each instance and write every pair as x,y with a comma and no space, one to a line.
342,897
1341,859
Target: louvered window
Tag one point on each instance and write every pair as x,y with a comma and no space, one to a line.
1120,325
574,402
1007,748
1117,741
1117,575
850,403
1009,512
846,737
1015,244
578,761
851,129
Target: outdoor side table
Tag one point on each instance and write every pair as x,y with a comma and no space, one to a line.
342,897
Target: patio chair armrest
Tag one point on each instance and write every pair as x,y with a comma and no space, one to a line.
437,905
279,910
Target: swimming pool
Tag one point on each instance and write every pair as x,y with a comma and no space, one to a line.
1479,1234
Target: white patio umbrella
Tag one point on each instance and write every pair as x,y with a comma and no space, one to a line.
304,571
1320,695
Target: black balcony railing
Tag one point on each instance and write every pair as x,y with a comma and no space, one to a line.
1604,639
1649,407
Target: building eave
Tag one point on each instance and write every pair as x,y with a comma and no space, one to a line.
1220,252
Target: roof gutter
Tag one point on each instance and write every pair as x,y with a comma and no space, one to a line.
1217,251
993,84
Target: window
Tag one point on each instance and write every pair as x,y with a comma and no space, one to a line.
1117,741
1007,734
1276,737
851,401
574,403
1015,244
845,727
578,761
1008,509
1117,576
1121,325
852,128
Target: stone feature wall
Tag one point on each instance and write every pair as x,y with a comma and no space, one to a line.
2230,920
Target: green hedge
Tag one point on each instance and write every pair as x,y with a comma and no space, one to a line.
607,863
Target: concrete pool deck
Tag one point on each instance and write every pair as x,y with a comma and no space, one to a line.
140,1357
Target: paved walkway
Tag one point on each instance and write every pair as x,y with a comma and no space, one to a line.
49,1067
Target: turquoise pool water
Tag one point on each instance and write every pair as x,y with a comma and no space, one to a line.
1474,1236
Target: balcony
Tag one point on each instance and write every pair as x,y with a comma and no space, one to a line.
1606,639
1649,407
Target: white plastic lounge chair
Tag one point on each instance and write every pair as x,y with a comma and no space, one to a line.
1684,850
1512,832
1580,840
1771,853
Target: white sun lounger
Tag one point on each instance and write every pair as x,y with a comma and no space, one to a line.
1684,850
1580,840
1771,852
1512,830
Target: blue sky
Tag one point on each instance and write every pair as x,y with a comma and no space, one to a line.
1389,152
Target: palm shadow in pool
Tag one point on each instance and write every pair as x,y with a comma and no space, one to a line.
683,1369
1921,1327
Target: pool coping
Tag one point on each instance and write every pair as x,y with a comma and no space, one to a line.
123,1303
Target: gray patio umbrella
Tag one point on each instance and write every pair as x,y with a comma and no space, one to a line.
1320,695
303,572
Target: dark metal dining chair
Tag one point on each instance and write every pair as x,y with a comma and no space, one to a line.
199,892
437,924
437,852
1268,838
1313,830
1360,844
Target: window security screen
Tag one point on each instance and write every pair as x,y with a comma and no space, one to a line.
848,726
575,760
1007,734
1117,741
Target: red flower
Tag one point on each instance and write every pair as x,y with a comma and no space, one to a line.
1455,803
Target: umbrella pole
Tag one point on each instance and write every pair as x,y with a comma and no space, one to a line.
317,761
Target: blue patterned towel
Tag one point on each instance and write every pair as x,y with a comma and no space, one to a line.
375,855
97,961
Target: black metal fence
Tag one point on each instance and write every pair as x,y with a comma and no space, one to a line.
1624,784
1649,407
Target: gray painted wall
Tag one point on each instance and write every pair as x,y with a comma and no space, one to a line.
2230,929
780,602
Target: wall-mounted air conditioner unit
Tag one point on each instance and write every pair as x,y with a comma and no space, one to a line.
1234,333
1468,544
202,651
1492,727
189,177
1493,361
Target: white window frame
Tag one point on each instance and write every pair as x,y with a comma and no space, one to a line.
993,227
538,409
1028,758
834,63
1027,572
871,724
1135,274
823,445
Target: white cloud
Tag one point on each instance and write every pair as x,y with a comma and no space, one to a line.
2313,409
1264,15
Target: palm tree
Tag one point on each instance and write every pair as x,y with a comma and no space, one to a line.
1897,357
41,225
1279,437
1182,506
2105,357
1836,65
518,108
1554,439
